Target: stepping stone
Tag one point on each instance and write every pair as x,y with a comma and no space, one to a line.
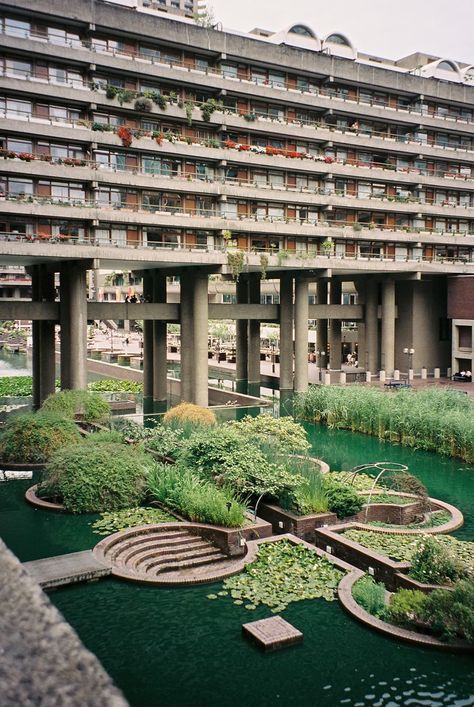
272,633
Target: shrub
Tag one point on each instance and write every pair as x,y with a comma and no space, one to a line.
433,563
283,433
129,430
406,608
105,437
190,413
91,478
451,613
145,105
33,438
198,500
91,407
165,441
343,500
370,595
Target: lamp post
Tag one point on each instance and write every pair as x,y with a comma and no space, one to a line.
409,352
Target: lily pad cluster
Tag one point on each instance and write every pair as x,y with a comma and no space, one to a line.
282,573
129,518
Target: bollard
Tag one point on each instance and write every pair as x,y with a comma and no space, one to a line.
396,375
342,378
424,374
382,376
327,378
449,373
368,376
436,373
411,374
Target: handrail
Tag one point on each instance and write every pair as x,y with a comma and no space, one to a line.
172,175
282,255
137,55
213,213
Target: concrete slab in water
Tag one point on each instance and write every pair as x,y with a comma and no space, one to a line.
273,633
66,569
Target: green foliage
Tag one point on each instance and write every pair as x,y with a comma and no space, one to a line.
434,519
95,478
165,441
16,386
115,385
90,407
200,501
433,420
190,413
104,437
433,563
406,607
310,495
129,430
208,108
370,595
281,574
343,500
451,613
284,434
235,261
130,518
33,438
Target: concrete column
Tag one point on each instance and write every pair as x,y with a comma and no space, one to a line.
44,361
371,357
286,332
322,325
186,336
65,329
335,340
159,340
148,340
241,332
254,332
200,338
301,335
73,318
388,326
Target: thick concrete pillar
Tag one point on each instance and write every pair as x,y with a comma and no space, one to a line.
286,332
388,326
322,326
371,358
186,336
241,332
335,338
148,339
200,338
44,360
301,335
254,332
73,319
159,341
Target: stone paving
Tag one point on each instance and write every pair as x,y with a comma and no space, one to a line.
66,569
272,633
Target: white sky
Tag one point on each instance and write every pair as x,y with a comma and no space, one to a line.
392,29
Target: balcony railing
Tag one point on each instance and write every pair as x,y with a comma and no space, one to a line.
214,213
215,71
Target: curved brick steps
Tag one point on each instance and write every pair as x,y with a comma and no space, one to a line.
164,555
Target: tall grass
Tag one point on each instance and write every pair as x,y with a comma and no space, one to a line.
200,501
432,420
310,495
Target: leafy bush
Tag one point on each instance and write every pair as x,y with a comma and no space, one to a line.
115,385
281,574
200,501
370,595
33,438
283,433
129,430
343,500
165,441
94,478
310,495
16,386
451,613
190,413
91,407
407,608
433,563
129,518
105,437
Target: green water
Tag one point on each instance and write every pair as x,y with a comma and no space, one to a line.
175,648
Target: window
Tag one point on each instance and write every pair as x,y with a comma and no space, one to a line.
17,28
20,145
17,68
229,71
20,187
302,31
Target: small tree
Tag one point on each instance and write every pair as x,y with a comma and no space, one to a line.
205,18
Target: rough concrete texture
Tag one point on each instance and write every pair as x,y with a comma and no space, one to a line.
42,660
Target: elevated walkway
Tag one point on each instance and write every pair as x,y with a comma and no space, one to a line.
67,569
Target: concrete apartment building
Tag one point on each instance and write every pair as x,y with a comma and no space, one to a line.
135,141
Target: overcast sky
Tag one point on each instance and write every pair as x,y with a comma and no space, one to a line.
387,29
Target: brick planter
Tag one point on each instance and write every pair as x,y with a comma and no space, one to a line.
32,498
12,466
287,522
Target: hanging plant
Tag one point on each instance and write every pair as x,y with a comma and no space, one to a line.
125,134
111,91
144,105
160,101
208,108
264,265
124,95
188,107
235,261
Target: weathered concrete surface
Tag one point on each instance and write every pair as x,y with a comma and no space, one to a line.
66,569
43,661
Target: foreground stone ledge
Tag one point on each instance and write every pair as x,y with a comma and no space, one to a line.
43,662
